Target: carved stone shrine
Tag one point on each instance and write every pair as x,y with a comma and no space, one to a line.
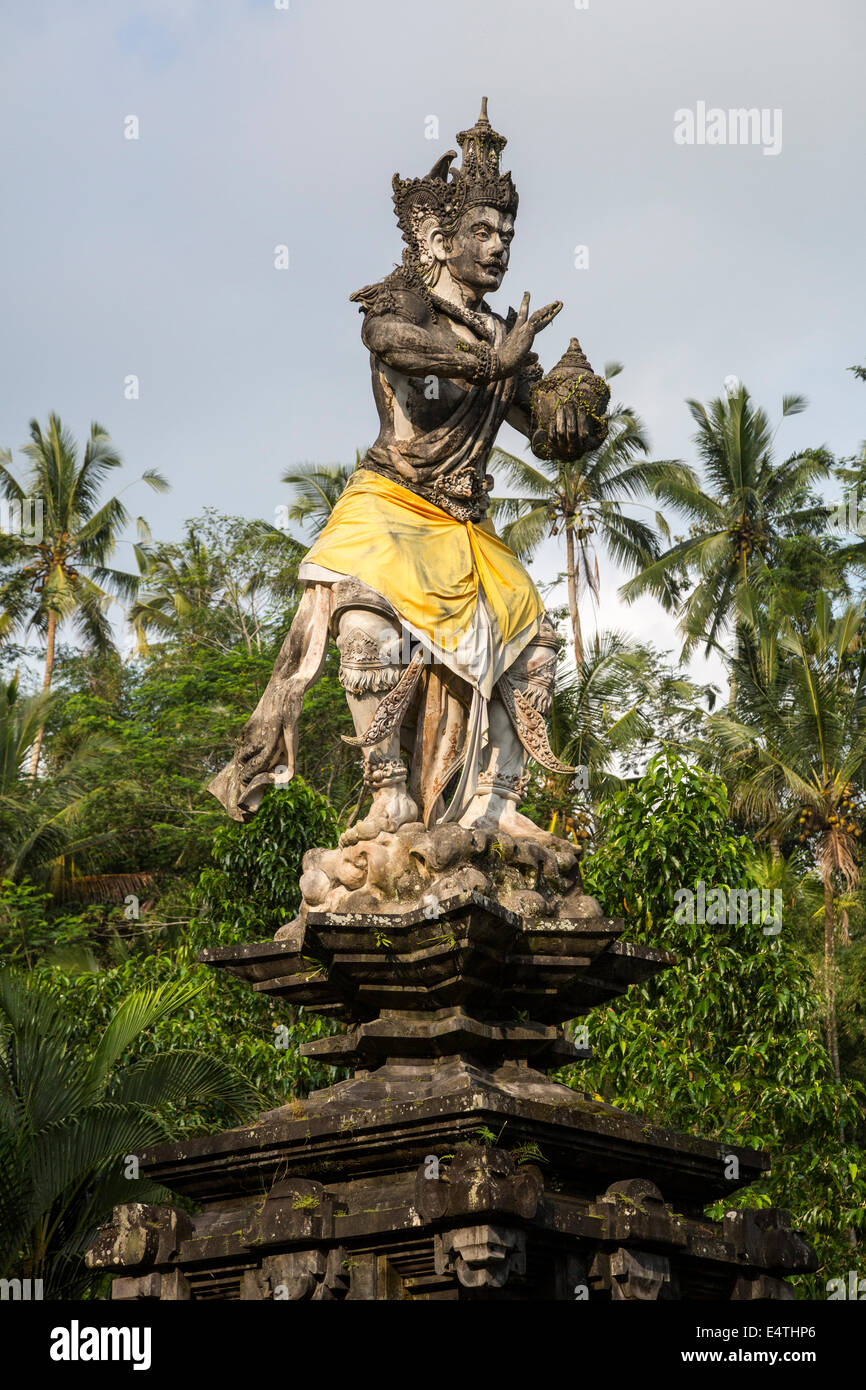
450,1165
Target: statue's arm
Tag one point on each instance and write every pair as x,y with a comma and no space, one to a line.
520,413
402,336
413,349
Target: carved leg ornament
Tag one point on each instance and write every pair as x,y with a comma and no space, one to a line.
526,691
516,722
370,668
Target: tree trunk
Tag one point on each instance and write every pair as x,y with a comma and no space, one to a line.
732,675
830,976
573,596
46,685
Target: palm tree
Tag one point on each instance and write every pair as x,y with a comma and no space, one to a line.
748,502
583,499
62,572
210,586
317,487
596,718
67,1120
182,580
38,819
796,750
593,719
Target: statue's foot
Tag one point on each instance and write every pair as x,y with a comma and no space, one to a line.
493,812
391,808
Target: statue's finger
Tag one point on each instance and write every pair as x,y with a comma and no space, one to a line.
542,317
570,425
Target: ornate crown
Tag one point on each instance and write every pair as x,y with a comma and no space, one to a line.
446,193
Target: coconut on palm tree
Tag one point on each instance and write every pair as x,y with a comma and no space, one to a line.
62,572
583,502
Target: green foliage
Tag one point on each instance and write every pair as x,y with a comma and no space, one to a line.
72,1114
726,1043
26,933
254,886
172,717
749,504
528,1153
226,583
667,831
324,761
624,701
249,891
167,722
316,487
485,1135
59,569
586,499
41,820
228,1021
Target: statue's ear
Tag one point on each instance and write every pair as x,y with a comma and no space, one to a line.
438,243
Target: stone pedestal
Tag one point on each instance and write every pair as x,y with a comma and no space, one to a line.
449,1165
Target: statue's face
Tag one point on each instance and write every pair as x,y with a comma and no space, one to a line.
477,252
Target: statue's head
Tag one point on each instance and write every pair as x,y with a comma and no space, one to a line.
476,251
461,218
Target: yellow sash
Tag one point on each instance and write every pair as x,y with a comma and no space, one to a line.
427,564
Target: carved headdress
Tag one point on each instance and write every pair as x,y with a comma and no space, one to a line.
445,193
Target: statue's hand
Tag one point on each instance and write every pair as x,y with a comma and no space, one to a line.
568,433
516,346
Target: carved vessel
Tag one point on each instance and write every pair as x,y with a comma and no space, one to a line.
572,380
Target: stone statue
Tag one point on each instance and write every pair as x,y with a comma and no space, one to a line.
446,653
449,935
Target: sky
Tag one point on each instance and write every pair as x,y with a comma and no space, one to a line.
262,125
